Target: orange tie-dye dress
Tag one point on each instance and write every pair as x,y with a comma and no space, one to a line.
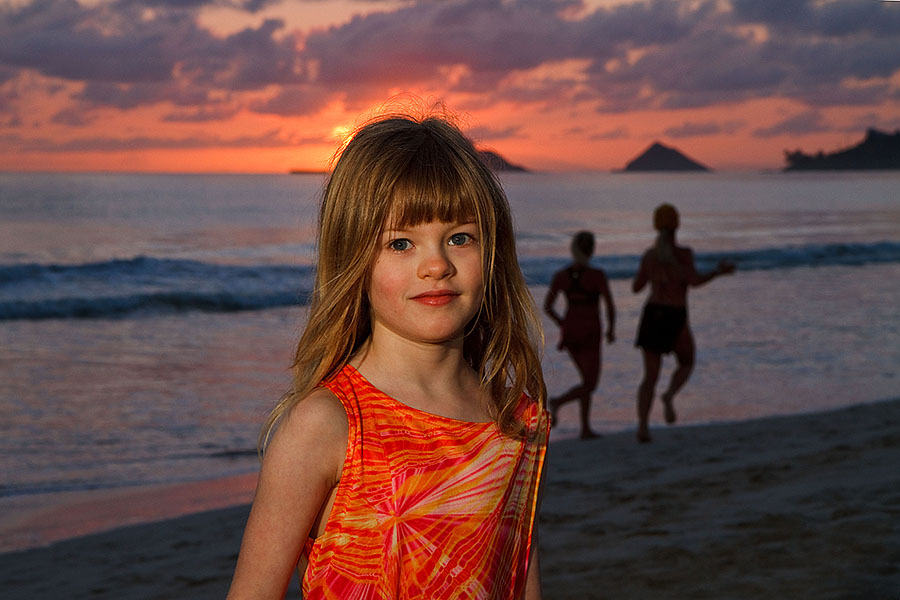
427,506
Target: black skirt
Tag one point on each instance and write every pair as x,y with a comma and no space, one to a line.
661,324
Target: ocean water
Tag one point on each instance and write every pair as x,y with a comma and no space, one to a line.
147,321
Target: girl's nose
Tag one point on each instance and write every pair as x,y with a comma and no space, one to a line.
436,265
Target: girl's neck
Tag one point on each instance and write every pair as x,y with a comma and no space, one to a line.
579,259
392,354
665,237
431,377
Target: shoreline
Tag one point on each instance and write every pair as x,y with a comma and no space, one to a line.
29,522
39,521
788,506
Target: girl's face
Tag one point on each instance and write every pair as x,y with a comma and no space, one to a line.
426,282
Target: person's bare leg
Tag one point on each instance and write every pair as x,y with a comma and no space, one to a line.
684,354
588,363
586,431
557,401
652,363
574,393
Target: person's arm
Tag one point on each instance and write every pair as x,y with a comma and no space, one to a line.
301,465
533,577
606,294
533,580
551,299
696,279
642,276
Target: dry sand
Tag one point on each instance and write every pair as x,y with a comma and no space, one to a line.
786,507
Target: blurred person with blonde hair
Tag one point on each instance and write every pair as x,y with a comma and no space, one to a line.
664,327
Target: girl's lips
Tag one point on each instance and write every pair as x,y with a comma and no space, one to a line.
436,298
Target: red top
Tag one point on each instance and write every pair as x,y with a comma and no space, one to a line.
427,506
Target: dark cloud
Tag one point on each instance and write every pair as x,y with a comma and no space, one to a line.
811,17
874,121
6,74
8,96
128,57
719,61
251,6
618,133
60,38
708,68
645,55
249,59
414,43
609,32
73,117
547,93
480,133
811,121
131,95
490,38
202,115
294,100
695,129
654,54
772,12
269,139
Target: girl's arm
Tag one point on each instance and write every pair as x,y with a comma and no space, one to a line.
533,580
551,298
533,577
610,311
695,278
302,464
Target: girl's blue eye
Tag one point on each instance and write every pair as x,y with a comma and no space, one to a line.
460,239
400,245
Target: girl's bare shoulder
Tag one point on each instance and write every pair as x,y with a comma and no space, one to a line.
319,410
650,256
684,253
317,426
597,274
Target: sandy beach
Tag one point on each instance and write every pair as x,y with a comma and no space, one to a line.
787,507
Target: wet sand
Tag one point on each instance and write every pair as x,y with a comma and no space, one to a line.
785,507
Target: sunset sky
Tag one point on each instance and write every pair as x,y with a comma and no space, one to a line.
271,85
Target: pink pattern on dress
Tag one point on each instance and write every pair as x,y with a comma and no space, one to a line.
427,507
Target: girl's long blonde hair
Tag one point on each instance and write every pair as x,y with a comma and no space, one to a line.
413,171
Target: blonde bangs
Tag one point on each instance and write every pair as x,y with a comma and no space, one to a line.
416,201
436,184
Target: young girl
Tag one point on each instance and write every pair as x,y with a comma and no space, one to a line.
406,460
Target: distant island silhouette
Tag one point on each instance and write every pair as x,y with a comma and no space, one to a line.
879,150
498,163
493,160
659,157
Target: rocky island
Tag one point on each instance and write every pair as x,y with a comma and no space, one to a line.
879,150
498,163
659,157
